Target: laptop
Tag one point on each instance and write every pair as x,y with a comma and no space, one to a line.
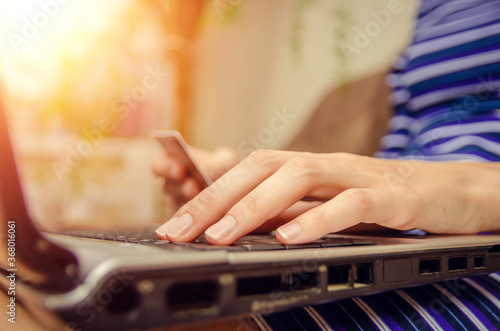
97,280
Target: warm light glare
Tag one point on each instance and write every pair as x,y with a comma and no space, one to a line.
12,9
64,67
38,34
61,57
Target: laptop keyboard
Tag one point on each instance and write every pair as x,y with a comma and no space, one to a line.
261,242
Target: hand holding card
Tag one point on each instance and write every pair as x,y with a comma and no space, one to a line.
184,176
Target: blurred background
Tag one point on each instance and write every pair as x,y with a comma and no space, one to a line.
84,82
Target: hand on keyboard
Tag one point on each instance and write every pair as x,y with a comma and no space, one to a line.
398,194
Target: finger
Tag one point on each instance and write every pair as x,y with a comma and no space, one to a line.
284,188
349,208
213,202
169,168
182,191
298,177
190,188
287,215
173,190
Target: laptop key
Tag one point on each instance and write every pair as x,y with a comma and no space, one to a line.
109,237
201,240
260,243
358,242
303,246
336,242
259,237
180,244
148,235
209,247
121,238
265,247
161,243
169,246
271,241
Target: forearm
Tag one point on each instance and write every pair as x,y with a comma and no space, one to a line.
447,197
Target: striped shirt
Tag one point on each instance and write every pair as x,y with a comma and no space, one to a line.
471,303
447,85
446,97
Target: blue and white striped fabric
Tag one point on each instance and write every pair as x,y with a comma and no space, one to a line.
467,304
447,107
447,85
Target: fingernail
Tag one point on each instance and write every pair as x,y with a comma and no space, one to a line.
222,229
290,231
176,227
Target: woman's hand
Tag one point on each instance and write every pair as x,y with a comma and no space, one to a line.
451,197
179,184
